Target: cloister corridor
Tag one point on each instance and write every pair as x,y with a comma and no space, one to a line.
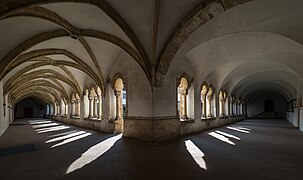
251,149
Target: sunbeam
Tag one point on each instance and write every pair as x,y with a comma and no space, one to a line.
93,153
196,153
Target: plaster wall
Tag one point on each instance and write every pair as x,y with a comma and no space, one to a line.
256,105
97,125
138,89
290,116
4,120
301,119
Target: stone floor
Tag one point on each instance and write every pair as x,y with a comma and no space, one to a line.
251,149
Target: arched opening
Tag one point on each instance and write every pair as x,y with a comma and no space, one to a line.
120,94
182,91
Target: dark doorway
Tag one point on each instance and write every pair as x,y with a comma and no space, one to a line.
268,105
28,112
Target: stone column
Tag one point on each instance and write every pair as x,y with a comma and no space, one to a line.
231,108
65,110
209,106
183,101
72,103
119,108
90,107
221,107
58,107
95,107
77,108
100,107
203,106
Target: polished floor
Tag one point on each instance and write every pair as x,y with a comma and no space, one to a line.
251,149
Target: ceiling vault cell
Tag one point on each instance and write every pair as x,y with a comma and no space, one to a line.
42,97
43,52
46,73
200,15
17,8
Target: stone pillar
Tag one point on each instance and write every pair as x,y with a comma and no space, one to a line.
65,110
221,107
183,104
95,107
231,108
209,113
90,107
72,113
82,108
77,109
100,107
203,106
119,108
57,112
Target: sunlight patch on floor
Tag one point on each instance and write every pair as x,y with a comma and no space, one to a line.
221,138
72,139
39,122
62,134
238,129
65,136
44,125
228,135
57,128
93,153
196,153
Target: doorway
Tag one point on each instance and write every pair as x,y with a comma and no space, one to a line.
268,105
28,112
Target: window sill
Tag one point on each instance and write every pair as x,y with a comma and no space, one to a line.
207,119
93,120
186,121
